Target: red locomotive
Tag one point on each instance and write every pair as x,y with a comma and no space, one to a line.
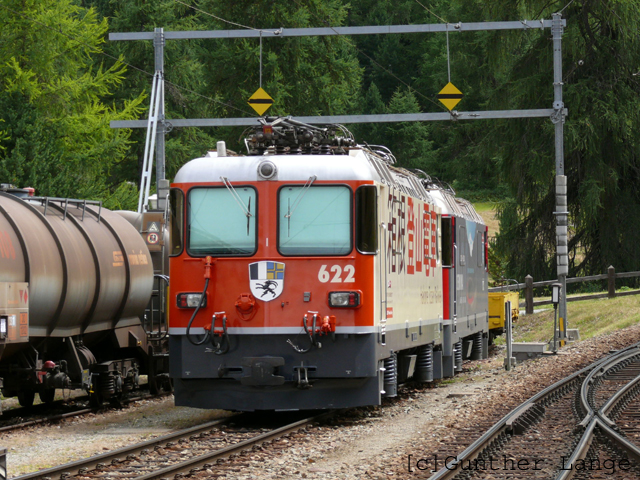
312,273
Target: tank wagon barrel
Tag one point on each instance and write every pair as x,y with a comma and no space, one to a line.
75,280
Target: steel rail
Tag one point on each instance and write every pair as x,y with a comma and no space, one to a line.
631,389
109,457
84,466
631,449
74,413
51,418
596,420
580,451
597,374
505,424
202,460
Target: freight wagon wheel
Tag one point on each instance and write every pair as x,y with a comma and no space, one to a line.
26,398
47,395
95,400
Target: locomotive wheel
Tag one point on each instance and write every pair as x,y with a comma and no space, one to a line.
26,398
158,385
47,395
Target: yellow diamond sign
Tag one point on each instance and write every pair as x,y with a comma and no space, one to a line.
450,96
260,101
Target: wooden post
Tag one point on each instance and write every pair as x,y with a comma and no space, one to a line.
528,294
612,281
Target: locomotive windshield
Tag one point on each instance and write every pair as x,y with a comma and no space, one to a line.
314,220
222,221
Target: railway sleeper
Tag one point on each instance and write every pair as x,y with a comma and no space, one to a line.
526,419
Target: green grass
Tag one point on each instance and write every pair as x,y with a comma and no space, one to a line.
482,207
487,210
590,317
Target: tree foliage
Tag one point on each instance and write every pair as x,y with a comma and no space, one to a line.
61,84
600,56
215,78
54,100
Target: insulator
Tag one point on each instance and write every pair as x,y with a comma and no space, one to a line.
391,376
424,364
457,352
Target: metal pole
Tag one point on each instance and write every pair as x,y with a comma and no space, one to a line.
158,46
561,181
555,329
508,362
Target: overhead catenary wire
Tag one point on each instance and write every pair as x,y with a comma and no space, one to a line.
215,16
344,38
566,6
431,12
447,23
235,24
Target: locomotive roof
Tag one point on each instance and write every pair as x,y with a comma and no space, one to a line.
451,205
298,152
359,164
289,168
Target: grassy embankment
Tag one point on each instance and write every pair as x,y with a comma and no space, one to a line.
590,317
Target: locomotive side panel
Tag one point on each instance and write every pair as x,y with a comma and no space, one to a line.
411,285
471,283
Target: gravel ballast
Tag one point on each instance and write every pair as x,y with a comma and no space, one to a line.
376,443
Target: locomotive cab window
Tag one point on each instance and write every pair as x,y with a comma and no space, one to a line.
367,219
176,221
439,239
222,221
314,220
447,242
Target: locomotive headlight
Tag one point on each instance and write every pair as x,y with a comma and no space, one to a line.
191,300
3,328
344,299
267,170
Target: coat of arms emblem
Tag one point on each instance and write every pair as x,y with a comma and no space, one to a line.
266,280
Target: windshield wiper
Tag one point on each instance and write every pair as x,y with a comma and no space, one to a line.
296,202
236,197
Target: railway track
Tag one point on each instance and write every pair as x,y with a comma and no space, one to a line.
586,426
194,450
23,417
